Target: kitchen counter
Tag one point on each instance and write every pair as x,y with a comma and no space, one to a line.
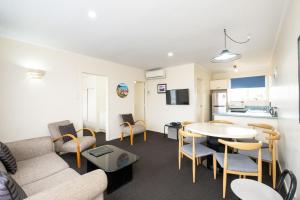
252,114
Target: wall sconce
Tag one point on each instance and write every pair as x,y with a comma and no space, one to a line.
35,74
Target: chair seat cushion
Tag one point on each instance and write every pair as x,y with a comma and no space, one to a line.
252,140
39,167
137,128
197,140
85,143
50,181
237,162
266,155
200,149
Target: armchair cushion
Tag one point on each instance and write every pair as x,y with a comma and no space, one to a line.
85,142
67,129
8,159
9,188
55,133
137,128
128,118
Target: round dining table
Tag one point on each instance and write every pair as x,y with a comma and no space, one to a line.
248,189
221,130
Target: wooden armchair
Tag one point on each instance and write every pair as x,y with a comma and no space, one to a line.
131,127
75,145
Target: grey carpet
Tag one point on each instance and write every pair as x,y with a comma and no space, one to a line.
156,174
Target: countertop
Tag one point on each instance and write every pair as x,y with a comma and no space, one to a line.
250,113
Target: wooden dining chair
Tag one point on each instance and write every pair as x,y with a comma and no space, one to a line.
239,164
260,127
189,139
268,154
194,151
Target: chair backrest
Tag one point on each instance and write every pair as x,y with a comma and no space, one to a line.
185,123
55,133
221,122
272,137
244,146
261,126
292,187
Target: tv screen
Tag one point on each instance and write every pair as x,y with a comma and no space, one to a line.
177,97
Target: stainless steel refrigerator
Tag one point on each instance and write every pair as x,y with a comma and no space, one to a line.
219,101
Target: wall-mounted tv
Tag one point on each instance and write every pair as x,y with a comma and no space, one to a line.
178,97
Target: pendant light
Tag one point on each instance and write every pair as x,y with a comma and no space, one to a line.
226,55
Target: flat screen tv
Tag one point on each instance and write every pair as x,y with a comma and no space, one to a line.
178,97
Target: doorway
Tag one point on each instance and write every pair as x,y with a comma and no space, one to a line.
95,103
202,100
139,100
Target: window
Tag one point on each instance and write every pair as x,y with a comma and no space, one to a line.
248,89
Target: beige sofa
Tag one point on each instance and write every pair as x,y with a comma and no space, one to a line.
44,175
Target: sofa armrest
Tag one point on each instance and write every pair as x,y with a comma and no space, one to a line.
86,187
30,148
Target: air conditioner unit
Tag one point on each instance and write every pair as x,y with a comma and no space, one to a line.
156,74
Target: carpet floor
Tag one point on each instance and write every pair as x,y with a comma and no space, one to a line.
156,175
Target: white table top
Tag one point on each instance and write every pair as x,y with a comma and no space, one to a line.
248,189
221,130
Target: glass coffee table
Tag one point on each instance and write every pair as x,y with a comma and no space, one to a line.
117,164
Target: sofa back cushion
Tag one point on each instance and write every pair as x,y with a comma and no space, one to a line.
67,129
8,159
10,189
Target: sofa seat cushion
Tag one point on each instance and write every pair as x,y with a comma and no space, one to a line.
85,142
38,168
50,181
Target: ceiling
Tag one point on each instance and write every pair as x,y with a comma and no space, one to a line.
140,33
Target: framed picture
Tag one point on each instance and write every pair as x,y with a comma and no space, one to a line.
161,88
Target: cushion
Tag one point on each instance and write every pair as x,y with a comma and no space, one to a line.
7,159
85,142
50,181
38,168
266,155
137,128
2,167
67,129
201,150
9,188
237,162
128,118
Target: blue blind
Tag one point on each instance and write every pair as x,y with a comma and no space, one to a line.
248,82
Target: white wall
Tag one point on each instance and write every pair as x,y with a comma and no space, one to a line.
285,90
157,112
27,106
229,75
139,101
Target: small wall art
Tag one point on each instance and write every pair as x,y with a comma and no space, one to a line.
122,90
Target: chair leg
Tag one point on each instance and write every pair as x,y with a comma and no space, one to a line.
215,166
121,136
274,174
179,160
224,183
78,159
94,145
270,169
194,170
131,138
145,136
197,161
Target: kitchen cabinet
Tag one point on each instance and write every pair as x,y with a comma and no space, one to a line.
219,84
